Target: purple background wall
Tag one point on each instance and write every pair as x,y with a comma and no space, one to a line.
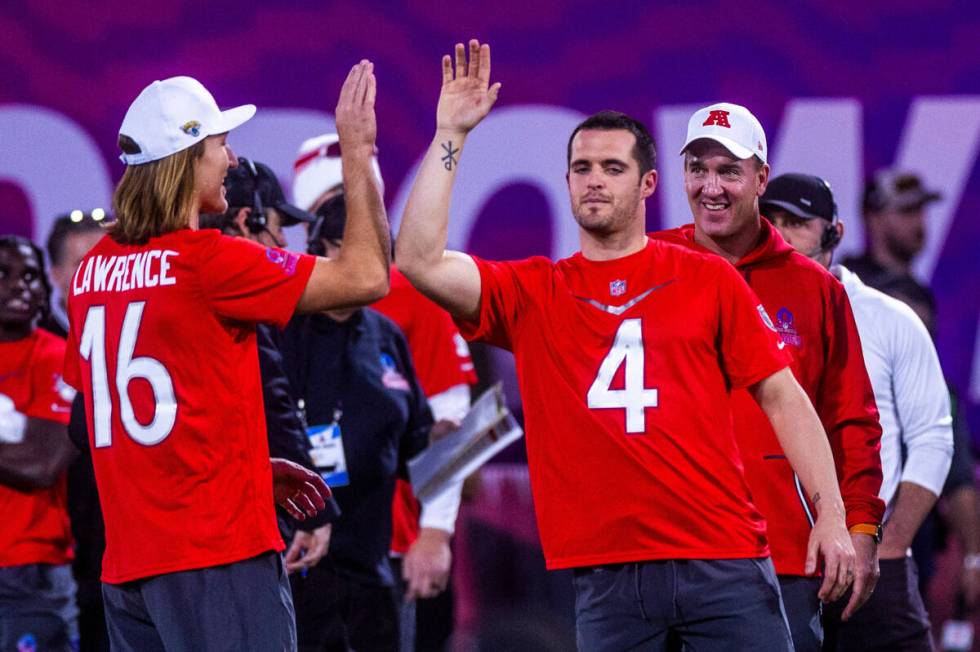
841,88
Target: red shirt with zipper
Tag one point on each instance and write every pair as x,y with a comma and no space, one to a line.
811,312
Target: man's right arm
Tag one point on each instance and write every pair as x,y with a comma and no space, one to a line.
359,274
449,278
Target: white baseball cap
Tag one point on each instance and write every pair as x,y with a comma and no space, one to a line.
731,125
317,169
171,115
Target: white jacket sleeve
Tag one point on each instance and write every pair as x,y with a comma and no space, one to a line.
922,404
440,511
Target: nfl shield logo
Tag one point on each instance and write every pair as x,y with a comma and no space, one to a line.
617,288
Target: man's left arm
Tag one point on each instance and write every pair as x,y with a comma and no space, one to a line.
847,408
922,404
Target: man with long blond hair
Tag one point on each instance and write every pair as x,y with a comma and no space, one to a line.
162,344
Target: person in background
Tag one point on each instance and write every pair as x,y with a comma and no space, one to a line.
71,237
420,543
893,207
960,500
913,405
37,592
367,417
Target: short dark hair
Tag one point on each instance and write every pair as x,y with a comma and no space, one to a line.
220,221
15,242
644,151
65,226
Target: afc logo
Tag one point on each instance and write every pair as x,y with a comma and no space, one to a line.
718,118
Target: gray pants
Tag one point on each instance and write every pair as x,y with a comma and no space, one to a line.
237,607
803,610
720,604
37,608
894,619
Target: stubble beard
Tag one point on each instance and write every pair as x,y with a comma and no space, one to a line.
620,214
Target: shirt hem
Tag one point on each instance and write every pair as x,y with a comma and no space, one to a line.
186,565
653,555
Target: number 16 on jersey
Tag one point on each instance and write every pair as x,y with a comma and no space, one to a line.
627,349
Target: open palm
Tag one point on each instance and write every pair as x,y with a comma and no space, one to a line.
466,95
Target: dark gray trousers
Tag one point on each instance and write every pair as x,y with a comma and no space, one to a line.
803,611
721,604
894,618
237,607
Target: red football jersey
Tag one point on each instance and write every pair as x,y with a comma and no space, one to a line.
35,527
442,360
162,343
813,316
625,368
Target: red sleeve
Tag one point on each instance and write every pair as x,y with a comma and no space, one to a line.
503,298
846,405
246,281
441,356
751,349
50,397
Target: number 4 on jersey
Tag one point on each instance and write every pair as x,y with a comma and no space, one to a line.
634,397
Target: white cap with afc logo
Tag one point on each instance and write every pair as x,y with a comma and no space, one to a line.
731,125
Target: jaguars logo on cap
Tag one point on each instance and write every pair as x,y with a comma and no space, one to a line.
192,128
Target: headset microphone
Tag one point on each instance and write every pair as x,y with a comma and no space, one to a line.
256,220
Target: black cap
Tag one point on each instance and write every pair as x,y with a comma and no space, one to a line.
802,195
240,185
898,191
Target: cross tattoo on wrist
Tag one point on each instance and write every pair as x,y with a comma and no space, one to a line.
450,159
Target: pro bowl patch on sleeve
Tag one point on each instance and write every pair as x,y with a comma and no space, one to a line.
287,260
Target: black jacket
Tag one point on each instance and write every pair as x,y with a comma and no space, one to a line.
361,368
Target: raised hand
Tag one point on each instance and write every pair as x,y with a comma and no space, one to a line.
299,491
466,95
356,123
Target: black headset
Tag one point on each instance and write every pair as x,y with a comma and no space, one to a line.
314,243
256,220
830,237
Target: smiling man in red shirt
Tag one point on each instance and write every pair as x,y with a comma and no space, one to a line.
725,173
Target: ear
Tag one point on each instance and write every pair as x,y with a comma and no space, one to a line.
840,229
648,183
763,176
238,223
